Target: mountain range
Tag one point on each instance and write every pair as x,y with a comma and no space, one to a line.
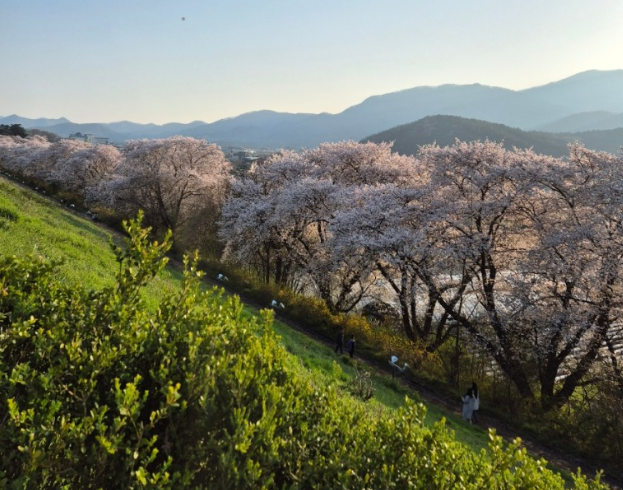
588,101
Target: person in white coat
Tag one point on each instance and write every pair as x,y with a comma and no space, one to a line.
468,405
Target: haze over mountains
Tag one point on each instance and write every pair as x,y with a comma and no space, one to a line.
588,101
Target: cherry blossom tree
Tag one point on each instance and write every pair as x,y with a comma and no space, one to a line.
419,239
536,244
24,156
86,167
66,163
289,204
249,226
570,284
390,227
169,179
7,147
49,164
477,188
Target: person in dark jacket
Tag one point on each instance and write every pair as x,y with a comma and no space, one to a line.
350,347
340,342
476,402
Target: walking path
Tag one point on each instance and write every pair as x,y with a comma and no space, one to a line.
535,448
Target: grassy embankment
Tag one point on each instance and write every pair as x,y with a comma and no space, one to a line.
30,223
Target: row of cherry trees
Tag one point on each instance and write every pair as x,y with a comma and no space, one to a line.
180,183
521,250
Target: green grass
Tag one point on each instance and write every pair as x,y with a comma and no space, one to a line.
339,370
30,223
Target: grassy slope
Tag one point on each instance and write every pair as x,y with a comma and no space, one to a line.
32,223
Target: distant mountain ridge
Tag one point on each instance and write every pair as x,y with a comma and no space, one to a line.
587,101
444,130
592,90
40,123
585,121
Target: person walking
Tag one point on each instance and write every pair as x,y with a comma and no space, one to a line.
340,342
468,405
476,402
350,346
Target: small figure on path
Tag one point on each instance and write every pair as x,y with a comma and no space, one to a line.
393,362
476,402
350,346
468,405
340,342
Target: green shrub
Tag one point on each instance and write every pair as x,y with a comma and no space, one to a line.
362,386
99,392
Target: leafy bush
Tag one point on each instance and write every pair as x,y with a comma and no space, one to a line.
98,392
362,386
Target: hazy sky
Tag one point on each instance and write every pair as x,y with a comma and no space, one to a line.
138,60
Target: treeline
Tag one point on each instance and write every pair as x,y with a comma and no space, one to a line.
506,260
98,391
179,183
503,257
521,251
13,130
18,130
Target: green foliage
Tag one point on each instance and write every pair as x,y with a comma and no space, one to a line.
70,376
100,392
362,386
12,130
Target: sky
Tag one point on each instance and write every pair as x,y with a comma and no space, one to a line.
159,61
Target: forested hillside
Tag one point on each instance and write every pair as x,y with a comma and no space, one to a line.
445,130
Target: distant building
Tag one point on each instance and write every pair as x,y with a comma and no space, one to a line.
88,138
242,159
